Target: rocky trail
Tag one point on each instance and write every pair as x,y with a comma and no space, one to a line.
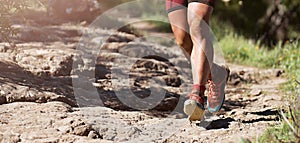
85,84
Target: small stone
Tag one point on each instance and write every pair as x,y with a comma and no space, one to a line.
93,135
255,92
232,112
279,73
82,130
3,48
2,100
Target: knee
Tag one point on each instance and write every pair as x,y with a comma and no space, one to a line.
180,42
196,26
184,41
179,37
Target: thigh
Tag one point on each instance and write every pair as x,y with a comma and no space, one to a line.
178,20
180,28
199,11
177,13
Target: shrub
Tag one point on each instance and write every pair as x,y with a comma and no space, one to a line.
7,9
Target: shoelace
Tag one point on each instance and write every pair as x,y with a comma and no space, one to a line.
214,89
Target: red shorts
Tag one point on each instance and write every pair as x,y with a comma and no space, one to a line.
172,5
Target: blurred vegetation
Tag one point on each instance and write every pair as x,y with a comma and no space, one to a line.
7,9
266,21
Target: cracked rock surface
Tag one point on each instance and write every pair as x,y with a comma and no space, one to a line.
125,89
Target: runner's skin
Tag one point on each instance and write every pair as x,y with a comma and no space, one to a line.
196,45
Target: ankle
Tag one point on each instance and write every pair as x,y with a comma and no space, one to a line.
199,89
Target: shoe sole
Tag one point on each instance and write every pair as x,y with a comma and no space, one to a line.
193,109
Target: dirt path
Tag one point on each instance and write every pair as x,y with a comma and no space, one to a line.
248,111
38,103
252,102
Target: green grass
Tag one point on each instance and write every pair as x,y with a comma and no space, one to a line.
283,132
277,134
238,49
243,51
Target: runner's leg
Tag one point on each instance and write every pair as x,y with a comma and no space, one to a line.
202,52
180,28
194,106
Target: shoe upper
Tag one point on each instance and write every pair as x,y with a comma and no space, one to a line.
216,93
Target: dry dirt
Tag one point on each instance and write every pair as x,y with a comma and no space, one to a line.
60,84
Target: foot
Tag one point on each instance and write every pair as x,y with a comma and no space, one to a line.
194,107
216,93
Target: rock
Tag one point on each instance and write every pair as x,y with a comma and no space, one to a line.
125,134
173,81
108,134
39,85
46,62
255,92
93,135
120,37
279,73
82,130
168,104
4,48
112,47
21,85
9,138
2,99
241,77
19,93
62,99
181,62
139,50
46,122
102,71
144,73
